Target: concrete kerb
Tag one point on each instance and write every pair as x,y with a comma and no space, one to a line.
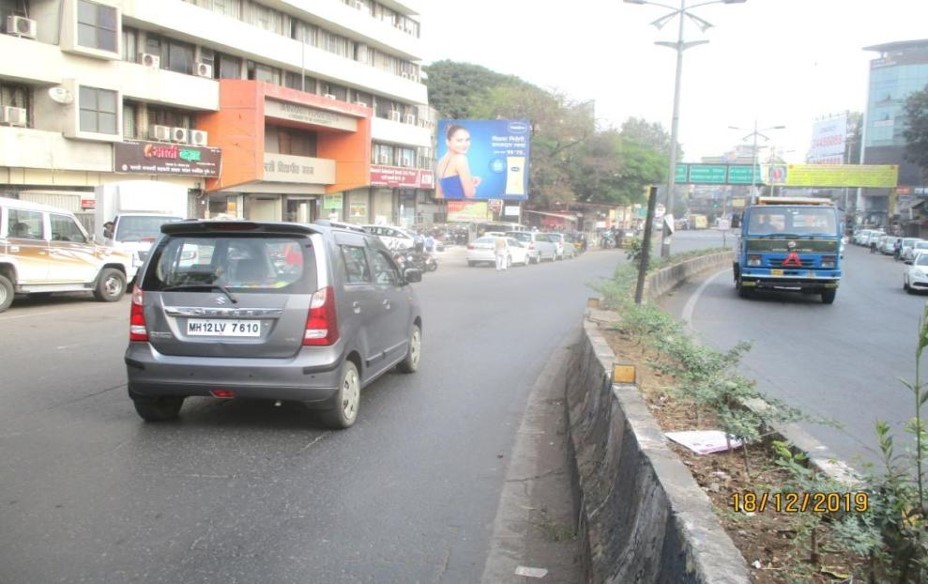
644,517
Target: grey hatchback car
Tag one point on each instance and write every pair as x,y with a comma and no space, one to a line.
278,311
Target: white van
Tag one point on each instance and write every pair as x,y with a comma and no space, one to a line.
45,249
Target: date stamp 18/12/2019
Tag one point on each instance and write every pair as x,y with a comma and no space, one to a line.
828,502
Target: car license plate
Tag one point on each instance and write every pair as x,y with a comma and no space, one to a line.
223,328
776,272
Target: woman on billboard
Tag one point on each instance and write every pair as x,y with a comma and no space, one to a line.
454,178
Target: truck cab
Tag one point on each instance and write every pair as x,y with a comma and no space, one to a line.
789,244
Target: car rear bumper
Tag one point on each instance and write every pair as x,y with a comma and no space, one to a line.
307,377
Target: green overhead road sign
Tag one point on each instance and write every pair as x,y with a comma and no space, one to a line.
717,174
708,174
740,174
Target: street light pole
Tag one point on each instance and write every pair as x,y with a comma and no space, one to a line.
755,133
679,46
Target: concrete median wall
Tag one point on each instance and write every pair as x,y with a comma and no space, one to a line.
643,518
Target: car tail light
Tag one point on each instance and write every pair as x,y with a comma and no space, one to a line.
470,246
138,331
322,322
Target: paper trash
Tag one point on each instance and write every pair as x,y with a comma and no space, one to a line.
704,441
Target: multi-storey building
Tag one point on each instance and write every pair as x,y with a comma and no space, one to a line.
900,70
263,109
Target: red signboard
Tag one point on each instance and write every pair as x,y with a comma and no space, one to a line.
403,178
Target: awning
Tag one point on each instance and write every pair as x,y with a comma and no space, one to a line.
564,216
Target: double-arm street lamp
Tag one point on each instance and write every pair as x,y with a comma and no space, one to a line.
683,13
755,133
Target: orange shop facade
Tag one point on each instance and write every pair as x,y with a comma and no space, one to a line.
294,156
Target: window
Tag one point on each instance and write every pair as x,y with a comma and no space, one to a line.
65,228
296,143
24,224
356,270
13,95
129,129
385,271
130,44
97,26
98,110
168,117
177,56
229,67
258,72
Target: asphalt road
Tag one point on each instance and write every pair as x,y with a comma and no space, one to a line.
248,492
840,362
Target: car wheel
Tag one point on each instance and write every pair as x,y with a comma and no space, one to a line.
158,409
411,363
828,295
471,263
905,284
6,293
347,399
111,285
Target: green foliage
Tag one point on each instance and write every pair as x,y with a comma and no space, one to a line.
571,159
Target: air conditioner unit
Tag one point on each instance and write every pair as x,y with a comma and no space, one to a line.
329,96
21,26
149,60
396,116
384,159
180,135
14,116
160,133
204,70
361,103
199,137
410,119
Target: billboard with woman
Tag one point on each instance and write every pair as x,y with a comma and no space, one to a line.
483,159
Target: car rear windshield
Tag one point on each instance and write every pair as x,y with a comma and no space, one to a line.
267,264
141,227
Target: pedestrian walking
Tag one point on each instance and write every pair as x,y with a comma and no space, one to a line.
501,250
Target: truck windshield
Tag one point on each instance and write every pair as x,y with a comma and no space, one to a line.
793,221
141,227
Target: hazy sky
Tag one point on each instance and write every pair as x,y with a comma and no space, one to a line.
776,62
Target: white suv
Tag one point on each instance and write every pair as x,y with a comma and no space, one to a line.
393,237
44,249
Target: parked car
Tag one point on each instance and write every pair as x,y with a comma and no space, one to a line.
529,240
280,311
44,249
861,236
873,237
907,243
483,250
908,254
563,249
885,244
915,276
540,248
393,237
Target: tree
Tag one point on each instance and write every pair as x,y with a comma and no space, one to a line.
916,134
570,159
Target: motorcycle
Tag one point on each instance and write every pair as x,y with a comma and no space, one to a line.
423,261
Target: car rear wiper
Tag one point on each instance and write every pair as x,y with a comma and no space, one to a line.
214,286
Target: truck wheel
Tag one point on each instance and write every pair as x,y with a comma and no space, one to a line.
111,285
742,291
6,293
828,295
